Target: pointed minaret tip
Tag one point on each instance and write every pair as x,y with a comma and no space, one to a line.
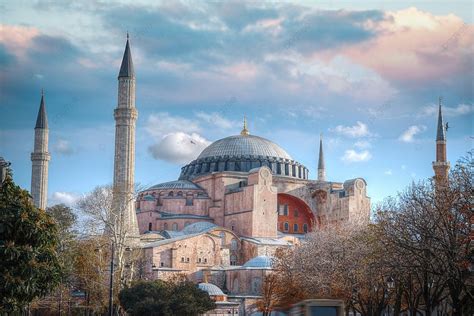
245,131
440,132
42,119
321,166
126,69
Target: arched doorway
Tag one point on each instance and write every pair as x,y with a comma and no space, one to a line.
294,215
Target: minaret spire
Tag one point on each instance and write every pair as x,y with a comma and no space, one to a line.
321,166
124,161
40,157
441,165
245,131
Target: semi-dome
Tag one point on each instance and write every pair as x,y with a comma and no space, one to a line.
261,262
243,153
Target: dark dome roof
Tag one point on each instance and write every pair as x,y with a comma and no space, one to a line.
243,153
244,145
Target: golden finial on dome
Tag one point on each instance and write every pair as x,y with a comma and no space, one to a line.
245,131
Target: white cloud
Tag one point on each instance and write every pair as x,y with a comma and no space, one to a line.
179,147
63,146
67,198
358,130
408,136
217,120
161,124
460,109
388,172
351,155
362,144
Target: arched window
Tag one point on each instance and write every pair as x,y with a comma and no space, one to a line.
287,226
222,235
295,228
150,226
256,285
233,260
235,286
233,244
165,226
189,200
174,226
180,193
305,228
171,193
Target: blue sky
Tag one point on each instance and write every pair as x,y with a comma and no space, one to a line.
366,75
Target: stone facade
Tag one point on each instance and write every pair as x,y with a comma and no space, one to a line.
214,221
40,158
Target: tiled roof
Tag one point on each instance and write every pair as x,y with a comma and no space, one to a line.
262,262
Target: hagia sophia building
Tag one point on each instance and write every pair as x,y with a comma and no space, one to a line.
221,221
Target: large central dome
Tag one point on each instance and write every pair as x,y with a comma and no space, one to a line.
242,153
244,145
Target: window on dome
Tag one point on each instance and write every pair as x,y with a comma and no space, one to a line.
233,244
150,226
189,201
287,226
305,228
295,228
180,193
222,235
174,226
171,193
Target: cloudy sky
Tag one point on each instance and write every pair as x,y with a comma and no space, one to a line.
366,75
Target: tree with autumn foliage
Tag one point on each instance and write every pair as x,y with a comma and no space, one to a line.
416,256
30,266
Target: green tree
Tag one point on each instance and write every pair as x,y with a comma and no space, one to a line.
30,265
165,298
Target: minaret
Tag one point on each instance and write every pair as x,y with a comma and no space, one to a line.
124,162
321,167
39,159
441,165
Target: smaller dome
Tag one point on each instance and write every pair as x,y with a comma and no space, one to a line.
198,227
261,262
176,185
149,197
211,289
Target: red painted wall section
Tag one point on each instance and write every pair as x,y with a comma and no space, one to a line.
297,213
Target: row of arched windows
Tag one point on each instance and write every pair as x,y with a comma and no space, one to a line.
286,227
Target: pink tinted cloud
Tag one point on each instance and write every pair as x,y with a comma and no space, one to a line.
415,46
17,39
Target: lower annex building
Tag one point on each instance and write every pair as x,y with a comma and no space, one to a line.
231,208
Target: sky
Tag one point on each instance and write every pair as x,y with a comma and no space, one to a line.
366,75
